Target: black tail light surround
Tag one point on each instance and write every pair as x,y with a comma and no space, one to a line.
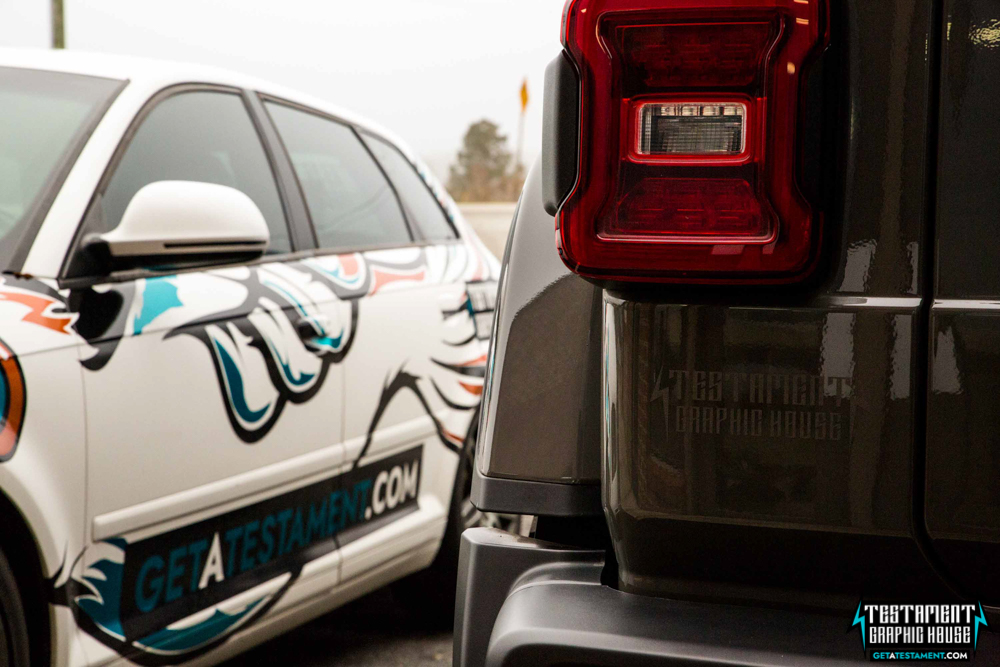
689,140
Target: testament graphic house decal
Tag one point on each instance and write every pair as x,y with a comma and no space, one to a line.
791,406
919,632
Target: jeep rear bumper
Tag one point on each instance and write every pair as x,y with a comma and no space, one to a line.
526,602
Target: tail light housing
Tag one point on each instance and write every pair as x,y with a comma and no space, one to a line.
689,140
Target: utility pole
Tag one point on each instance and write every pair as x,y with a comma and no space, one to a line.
58,25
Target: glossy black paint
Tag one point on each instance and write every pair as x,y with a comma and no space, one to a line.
750,448
963,421
963,452
968,168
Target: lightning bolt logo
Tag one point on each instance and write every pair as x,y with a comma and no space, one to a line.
859,619
40,311
980,620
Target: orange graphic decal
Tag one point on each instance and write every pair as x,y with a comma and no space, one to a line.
381,278
40,305
349,263
476,389
451,436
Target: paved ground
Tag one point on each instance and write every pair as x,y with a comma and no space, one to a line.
491,222
371,632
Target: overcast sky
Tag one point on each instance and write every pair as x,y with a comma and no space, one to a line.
424,68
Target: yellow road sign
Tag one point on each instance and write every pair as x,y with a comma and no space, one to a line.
524,96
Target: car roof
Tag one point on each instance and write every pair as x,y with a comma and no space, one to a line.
154,74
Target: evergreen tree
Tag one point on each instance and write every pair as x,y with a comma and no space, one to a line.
480,173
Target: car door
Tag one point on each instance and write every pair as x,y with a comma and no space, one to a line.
214,406
413,377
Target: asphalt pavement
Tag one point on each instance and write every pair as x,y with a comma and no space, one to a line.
375,631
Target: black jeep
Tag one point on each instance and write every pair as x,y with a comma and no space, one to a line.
746,361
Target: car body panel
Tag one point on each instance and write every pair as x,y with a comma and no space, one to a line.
962,505
42,473
539,438
429,377
786,435
194,332
962,458
425,422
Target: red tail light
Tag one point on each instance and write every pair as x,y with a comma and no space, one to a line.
688,140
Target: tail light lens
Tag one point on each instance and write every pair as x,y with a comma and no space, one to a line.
689,122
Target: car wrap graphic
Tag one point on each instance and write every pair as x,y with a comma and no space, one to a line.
13,401
151,600
42,309
273,305
176,595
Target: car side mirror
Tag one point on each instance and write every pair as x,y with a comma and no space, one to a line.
177,223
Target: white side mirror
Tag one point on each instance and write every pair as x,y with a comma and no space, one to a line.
171,222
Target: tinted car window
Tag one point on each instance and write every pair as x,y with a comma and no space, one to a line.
44,114
199,136
420,204
350,201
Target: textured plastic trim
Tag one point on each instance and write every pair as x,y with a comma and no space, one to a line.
516,496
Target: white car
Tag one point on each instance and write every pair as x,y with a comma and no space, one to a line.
203,445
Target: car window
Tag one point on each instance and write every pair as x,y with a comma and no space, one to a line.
421,206
204,136
44,114
350,201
